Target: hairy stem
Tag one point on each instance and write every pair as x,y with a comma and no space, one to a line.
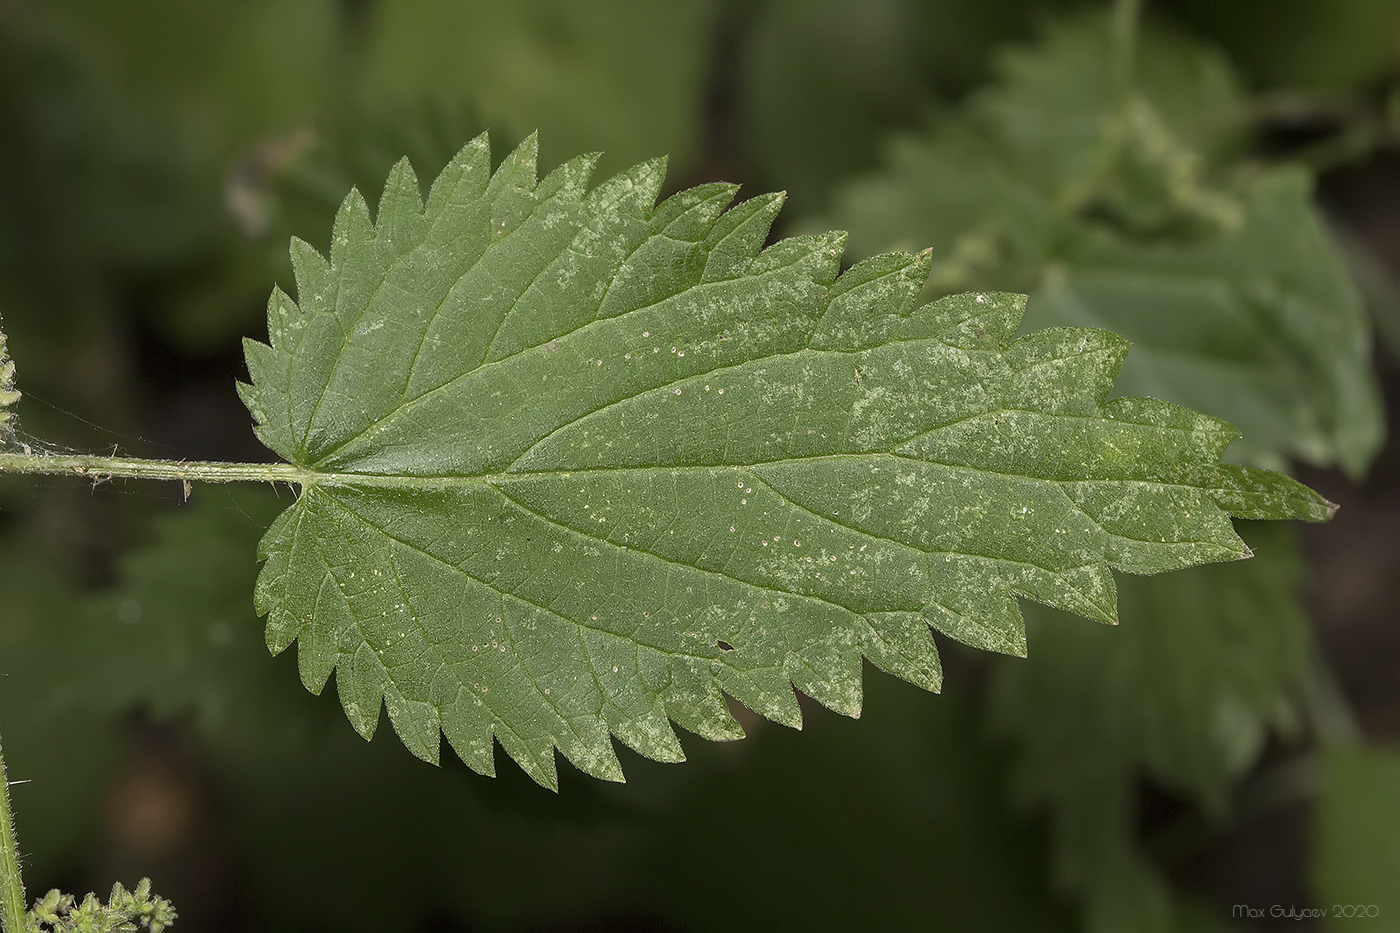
12,901
99,467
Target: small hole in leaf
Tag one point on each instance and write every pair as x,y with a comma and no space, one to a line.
724,645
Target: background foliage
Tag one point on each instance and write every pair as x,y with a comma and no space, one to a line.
1233,741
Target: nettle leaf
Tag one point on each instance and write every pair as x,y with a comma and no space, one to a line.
578,464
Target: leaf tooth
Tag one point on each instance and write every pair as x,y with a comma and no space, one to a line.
284,320
833,679
901,644
316,660
696,704
358,680
648,733
464,179
569,182
870,300
629,701
400,224
974,604
632,191
1151,528
320,620
817,257
247,393
1246,492
1088,591
900,276
692,213
595,756
351,230
537,762
765,690
470,729
738,235
275,550
416,723
1208,436
268,369
316,284
969,321
518,170
269,438
1064,370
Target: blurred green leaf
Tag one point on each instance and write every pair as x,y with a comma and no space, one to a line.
1263,328
821,82
625,76
1125,212
169,92
1184,692
1357,855
178,637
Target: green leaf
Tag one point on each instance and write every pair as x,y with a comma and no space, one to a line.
577,462
1131,214
1187,693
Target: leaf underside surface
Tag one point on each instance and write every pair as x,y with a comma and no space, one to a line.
579,464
